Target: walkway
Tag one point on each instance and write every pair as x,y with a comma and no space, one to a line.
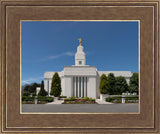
56,102
102,102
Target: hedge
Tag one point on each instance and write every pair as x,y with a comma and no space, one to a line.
28,98
70,99
120,98
40,98
62,96
131,98
47,99
113,98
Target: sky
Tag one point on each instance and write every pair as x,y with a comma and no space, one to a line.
51,45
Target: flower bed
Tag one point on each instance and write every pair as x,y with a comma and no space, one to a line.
74,100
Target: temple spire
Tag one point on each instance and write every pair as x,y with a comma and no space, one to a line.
80,58
80,40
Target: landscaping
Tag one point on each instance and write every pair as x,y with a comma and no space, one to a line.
74,100
128,99
41,100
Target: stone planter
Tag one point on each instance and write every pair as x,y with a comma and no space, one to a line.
103,97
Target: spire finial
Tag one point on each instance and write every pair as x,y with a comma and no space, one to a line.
80,40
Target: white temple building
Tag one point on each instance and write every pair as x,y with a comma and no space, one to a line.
81,80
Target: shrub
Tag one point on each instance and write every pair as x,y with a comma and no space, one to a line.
73,98
91,99
131,98
118,99
86,98
121,85
34,93
56,85
42,92
31,88
112,83
26,93
46,99
104,84
134,83
67,99
62,96
27,98
110,99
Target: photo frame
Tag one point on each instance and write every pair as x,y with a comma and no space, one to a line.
14,11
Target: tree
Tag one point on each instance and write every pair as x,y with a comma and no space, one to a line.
33,87
42,92
56,85
121,85
25,93
26,87
104,84
112,83
134,83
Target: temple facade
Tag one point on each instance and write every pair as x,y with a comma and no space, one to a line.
81,80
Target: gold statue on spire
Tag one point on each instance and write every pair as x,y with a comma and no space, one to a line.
80,40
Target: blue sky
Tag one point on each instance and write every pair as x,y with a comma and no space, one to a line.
49,46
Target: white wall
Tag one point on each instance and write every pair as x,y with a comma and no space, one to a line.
68,86
127,79
45,85
97,88
91,87
63,86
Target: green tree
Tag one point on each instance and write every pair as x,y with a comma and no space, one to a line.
26,87
112,83
56,85
33,87
134,83
121,85
42,91
104,84
25,93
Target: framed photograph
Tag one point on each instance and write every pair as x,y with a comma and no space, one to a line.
79,66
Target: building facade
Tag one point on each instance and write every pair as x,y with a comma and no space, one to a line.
81,80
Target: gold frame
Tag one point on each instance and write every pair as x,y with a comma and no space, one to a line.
13,11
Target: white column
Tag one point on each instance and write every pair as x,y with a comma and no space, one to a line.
81,86
49,87
85,87
75,86
78,86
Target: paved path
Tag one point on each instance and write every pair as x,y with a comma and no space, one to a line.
102,102
80,108
55,102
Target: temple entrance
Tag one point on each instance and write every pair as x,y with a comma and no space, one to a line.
79,86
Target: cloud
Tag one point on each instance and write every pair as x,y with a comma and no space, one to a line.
69,53
30,80
60,55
